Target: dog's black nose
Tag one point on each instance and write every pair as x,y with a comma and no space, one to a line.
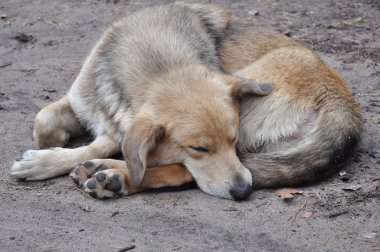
241,191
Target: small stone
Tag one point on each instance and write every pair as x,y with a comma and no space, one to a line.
371,235
253,12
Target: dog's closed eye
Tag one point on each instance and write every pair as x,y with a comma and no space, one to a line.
199,149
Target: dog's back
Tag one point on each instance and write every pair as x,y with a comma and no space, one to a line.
308,127
154,40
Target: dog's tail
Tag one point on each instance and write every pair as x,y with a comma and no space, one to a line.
322,152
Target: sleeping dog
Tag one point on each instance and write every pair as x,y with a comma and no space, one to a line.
185,90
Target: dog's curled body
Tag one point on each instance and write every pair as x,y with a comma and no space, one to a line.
163,85
308,127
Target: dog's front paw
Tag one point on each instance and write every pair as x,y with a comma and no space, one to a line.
35,165
107,184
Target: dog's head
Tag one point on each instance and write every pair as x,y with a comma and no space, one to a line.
193,119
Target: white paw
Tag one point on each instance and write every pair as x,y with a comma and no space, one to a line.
35,165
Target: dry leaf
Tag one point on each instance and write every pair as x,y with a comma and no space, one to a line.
338,25
375,186
306,214
370,62
352,188
354,21
287,193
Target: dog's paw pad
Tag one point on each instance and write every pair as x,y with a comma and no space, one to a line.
88,164
79,175
91,184
106,184
115,184
83,171
100,177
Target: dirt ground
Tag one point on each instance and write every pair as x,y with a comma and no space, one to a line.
42,45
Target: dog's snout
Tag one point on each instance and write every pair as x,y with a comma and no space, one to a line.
241,191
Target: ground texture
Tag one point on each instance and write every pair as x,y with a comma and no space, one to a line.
42,46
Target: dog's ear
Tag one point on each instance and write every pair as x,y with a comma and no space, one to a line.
241,87
139,140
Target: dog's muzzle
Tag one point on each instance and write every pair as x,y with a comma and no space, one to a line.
241,191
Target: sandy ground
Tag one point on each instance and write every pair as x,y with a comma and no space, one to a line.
42,45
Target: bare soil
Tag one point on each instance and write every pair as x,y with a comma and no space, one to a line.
42,46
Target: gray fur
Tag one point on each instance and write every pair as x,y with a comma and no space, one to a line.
184,39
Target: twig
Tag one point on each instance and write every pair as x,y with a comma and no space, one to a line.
369,94
337,213
115,213
318,195
298,210
84,193
22,187
127,248
5,64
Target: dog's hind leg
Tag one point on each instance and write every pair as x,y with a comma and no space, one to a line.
55,124
49,163
109,178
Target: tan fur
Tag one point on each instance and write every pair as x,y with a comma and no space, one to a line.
299,134
153,84
54,125
307,127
